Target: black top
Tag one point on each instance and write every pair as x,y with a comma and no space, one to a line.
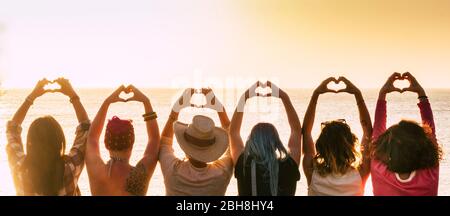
288,175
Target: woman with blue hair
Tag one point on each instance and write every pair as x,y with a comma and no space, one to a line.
263,166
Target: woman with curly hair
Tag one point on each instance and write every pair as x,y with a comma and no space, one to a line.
405,157
332,166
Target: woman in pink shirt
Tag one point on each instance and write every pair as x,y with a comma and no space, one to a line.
405,157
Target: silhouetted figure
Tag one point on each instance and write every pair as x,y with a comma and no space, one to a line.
331,164
263,166
117,177
405,157
207,168
45,170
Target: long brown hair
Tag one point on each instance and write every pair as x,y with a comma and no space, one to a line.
336,149
44,162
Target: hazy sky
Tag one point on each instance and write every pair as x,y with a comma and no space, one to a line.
298,43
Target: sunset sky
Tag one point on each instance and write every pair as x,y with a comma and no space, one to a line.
298,43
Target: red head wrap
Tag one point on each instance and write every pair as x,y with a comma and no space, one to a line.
119,134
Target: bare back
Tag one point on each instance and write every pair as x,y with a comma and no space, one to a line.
119,179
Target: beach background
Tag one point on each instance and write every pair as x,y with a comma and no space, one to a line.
169,45
331,106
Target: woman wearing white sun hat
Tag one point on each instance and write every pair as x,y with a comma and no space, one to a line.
208,167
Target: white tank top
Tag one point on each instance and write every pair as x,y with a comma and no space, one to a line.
349,184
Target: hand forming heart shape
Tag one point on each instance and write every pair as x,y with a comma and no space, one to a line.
198,99
263,90
340,85
336,85
402,82
208,99
127,94
52,86
122,94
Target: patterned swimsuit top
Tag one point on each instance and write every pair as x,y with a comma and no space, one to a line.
137,181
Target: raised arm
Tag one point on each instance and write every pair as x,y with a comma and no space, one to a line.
295,138
379,124
224,120
38,91
366,124
425,108
67,89
236,142
151,151
183,102
212,102
93,158
76,157
308,123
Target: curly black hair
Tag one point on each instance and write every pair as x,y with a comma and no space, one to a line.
406,147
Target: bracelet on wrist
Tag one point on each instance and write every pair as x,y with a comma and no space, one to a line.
423,97
150,116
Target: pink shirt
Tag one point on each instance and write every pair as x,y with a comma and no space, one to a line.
387,183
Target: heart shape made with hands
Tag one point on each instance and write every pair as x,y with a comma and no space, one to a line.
52,86
126,94
336,85
198,99
263,90
402,83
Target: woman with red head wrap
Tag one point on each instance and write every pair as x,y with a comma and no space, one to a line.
117,177
119,135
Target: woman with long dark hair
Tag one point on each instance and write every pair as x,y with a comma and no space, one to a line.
45,169
263,166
